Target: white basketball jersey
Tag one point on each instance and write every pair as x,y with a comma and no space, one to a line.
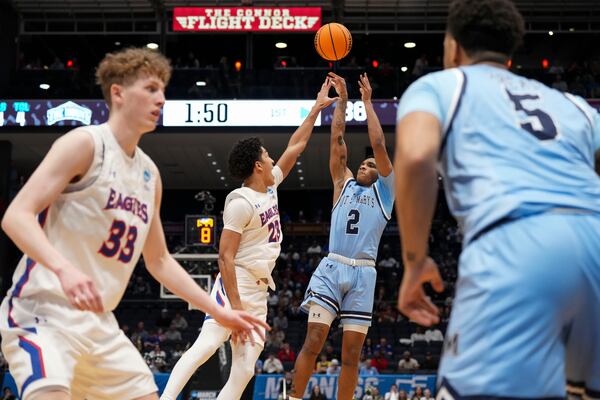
260,243
99,224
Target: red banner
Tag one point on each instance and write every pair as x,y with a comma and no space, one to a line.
246,19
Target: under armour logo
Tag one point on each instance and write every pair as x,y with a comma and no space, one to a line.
330,265
316,315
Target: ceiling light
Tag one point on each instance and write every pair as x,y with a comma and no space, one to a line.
298,162
44,86
222,178
404,69
550,33
200,83
214,163
152,46
281,45
301,178
302,185
117,43
218,171
209,154
410,45
299,171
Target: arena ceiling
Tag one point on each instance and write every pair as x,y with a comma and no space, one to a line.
401,16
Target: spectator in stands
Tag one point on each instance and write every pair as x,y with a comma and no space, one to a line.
334,367
314,248
275,338
287,381
393,394
402,395
559,84
322,364
418,335
316,394
428,362
368,347
286,354
7,394
176,353
388,314
384,348
57,64
272,365
179,322
125,329
140,333
152,339
387,260
379,361
258,367
280,321
273,299
141,287
366,367
427,395
420,65
407,362
173,334
418,395
433,334
156,359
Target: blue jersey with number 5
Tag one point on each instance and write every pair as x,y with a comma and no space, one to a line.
511,146
359,217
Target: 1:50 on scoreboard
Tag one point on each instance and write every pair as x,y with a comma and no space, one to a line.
209,113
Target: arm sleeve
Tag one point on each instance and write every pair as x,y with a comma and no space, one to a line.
592,115
237,215
278,175
385,189
436,93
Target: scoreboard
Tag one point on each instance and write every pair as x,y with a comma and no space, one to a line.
200,230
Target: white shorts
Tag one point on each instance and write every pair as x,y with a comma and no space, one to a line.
253,294
53,345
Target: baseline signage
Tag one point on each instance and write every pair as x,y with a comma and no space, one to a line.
268,387
246,19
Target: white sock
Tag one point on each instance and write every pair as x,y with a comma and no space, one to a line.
211,337
244,358
294,398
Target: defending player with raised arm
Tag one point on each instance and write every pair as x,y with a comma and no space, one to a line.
517,161
97,198
248,249
344,282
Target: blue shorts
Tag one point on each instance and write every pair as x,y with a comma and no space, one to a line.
344,290
526,316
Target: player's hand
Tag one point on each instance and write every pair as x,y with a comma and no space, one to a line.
339,84
323,99
242,324
412,300
80,289
365,88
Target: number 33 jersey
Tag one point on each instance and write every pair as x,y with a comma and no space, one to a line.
255,216
359,217
99,224
510,146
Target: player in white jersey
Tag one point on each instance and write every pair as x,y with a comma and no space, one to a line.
248,248
97,197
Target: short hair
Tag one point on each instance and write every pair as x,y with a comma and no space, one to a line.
486,25
242,157
125,66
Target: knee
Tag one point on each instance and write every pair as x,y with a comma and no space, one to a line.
245,372
314,341
351,356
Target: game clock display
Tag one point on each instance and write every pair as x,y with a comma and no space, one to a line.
200,230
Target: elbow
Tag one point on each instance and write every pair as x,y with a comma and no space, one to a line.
7,221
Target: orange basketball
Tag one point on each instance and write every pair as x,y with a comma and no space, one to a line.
333,41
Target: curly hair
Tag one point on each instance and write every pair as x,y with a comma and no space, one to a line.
486,25
125,66
243,155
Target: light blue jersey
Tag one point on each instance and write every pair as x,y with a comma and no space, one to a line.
512,147
359,217
518,163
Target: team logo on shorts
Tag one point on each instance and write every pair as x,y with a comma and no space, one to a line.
146,176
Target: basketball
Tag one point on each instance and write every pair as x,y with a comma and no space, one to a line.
333,41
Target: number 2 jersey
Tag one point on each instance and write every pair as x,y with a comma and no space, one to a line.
359,217
255,216
511,146
99,224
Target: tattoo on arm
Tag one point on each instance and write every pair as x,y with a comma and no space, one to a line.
410,256
341,140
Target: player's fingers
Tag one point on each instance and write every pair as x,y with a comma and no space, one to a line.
334,75
95,298
428,305
77,300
